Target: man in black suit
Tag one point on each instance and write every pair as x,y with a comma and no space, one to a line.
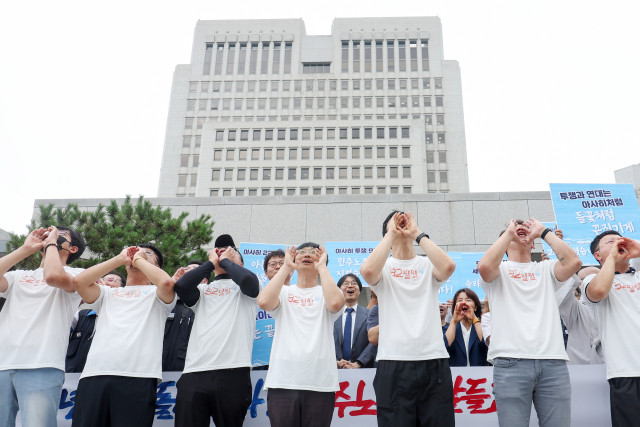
353,349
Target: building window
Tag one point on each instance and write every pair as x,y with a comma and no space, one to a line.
415,101
228,174
368,152
391,101
345,57
439,101
306,134
390,55
282,134
330,173
402,55
368,190
186,141
442,157
393,133
317,173
343,152
305,153
201,122
241,174
342,173
293,134
304,191
368,172
368,133
440,119
207,59
406,190
264,68
343,133
240,192
406,171
430,157
188,123
279,174
431,177
279,154
287,58
217,155
355,152
356,57
293,154
355,133
393,152
231,57
231,154
355,173
265,191
184,161
266,174
275,69
291,191
242,59
253,174
443,177
380,152
316,68
182,180
381,172
191,104
406,152
329,190
425,55
441,138
318,134
268,135
292,172
331,153
213,193
304,173
405,132
393,172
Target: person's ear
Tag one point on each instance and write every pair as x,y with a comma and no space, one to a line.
73,249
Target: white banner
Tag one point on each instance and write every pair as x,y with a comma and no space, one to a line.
356,404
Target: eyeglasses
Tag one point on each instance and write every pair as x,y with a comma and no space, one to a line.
347,284
111,279
63,232
274,264
307,252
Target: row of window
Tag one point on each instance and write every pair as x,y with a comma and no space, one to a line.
275,57
316,191
357,172
311,85
387,56
306,153
343,117
318,134
304,191
298,103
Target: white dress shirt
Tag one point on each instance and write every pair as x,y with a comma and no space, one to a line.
466,333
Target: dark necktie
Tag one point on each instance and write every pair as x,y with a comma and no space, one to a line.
346,344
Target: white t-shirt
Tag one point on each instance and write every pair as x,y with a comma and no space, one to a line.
618,319
303,353
410,325
466,334
525,321
129,333
35,321
223,330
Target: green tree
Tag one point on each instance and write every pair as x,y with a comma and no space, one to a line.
109,229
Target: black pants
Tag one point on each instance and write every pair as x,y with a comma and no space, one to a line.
624,393
224,395
300,408
110,400
414,393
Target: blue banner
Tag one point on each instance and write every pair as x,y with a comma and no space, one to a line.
253,255
585,210
545,247
347,257
465,276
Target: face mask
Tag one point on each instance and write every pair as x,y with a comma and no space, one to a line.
60,242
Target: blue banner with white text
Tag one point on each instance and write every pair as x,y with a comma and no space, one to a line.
585,210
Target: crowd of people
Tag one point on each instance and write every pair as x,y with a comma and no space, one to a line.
121,332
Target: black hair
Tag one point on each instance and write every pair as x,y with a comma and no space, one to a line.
474,298
277,253
386,221
194,261
155,251
353,276
312,245
77,241
123,279
596,242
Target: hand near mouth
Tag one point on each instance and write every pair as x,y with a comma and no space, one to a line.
458,313
320,258
535,228
619,250
289,257
633,247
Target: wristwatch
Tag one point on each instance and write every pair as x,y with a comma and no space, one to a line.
421,236
476,320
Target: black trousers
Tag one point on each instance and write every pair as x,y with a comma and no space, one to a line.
414,393
624,393
224,395
300,408
113,401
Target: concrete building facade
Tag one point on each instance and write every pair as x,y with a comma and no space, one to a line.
629,175
264,109
462,222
